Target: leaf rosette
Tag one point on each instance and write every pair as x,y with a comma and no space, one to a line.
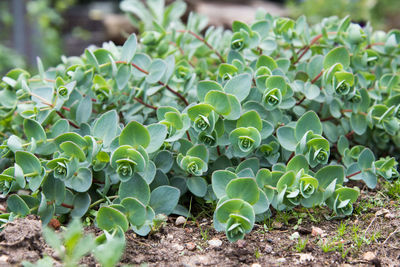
127,161
244,140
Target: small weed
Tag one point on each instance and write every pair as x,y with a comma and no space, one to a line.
327,245
257,253
204,233
392,190
301,244
341,229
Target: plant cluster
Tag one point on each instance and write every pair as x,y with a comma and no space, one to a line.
272,115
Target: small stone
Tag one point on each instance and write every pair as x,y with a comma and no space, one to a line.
381,212
214,243
369,256
268,249
277,225
316,231
281,260
2,208
170,237
294,236
191,246
3,258
304,257
390,216
255,265
241,243
180,220
178,247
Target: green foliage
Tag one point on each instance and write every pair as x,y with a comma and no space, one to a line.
273,115
72,244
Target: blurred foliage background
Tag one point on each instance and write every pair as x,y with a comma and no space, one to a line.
52,28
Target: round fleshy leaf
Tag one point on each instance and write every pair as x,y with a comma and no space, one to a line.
308,122
17,205
337,55
197,185
164,199
81,180
110,218
243,188
135,211
220,179
134,134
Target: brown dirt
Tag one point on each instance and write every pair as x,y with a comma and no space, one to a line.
267,245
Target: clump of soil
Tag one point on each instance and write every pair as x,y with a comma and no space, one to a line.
21,240
370,238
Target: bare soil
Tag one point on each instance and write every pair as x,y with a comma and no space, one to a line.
376,222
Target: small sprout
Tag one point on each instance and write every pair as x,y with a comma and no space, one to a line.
62,91
201,123
272,98
343,88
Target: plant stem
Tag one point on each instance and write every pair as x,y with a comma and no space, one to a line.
317,77
70,122
353,174
159,82
144,104
205,42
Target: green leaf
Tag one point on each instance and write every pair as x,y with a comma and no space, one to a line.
204,87
286,137
199,151
308,122
156,71
106,126
135,187
73,150
298,163
337,55
220,180
33,129
123,75
135,211
220,101
197,185
110,218
129,49
81,205
28,162
91,59
243,188
17,205
358,123
327,174
366,159
250,119
84,110
134,134
266,61
164,199
234,206
239,86
158,133
81,180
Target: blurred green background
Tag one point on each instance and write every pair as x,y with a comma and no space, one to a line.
51,28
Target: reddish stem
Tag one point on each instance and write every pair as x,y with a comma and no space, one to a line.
349,134
188,136
307,47
317,77
159,82
67,206
218,151
65,108
291,156
70,122
328,119
205,42
144,104
301,100
353,174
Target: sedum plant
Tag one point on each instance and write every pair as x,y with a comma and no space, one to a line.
268,116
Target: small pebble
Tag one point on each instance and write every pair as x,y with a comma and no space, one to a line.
178,247
369,256
381,212
241,243
3,259
214,243
294,236
390,216
316,231
281,260
170,237
277,225
255,265
191,246
268,249
180,220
